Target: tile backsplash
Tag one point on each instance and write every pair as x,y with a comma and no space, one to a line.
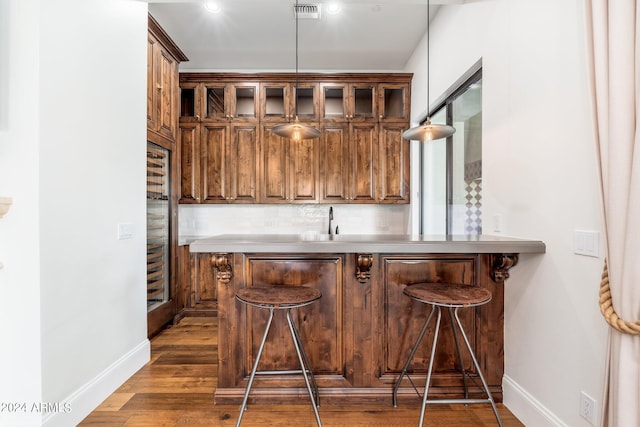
210,220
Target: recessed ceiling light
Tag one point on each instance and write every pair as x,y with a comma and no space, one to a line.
333,8
212,7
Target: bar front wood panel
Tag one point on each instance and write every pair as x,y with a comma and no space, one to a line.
319,324
361,331
403,318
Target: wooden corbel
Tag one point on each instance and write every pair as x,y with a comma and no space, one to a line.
500,265
222,264
363,267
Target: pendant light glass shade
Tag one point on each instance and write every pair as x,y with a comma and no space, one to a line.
296,130
428,131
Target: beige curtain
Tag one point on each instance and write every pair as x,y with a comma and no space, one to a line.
613,43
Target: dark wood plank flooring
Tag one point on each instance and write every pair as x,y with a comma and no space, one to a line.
176,389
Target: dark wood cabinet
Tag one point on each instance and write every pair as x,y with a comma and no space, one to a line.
349,159
218,162
289,169
393,164
229,155
349,102
163,58
197,284
189,154
280,101
360,157
163,170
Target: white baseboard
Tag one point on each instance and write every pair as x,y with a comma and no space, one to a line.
526,408
88,397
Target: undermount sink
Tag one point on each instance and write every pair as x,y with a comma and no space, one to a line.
308,236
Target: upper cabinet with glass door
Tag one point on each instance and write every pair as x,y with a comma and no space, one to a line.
230,102
393,102
342,102
280,102
218,102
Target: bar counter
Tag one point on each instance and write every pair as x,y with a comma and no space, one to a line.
359,333
353,243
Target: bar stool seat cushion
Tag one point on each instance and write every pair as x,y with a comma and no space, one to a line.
279,296
448,294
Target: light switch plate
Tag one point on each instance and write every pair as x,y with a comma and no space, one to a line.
586,242
125,231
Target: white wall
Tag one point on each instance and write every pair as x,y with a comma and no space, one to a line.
20,357
72,155
539,175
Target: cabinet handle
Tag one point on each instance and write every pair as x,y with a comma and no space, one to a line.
158,86
197,117
380,116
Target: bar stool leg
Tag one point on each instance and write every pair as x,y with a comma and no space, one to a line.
455,339
307,364
410,358
255,367
433,353
304,364
475,362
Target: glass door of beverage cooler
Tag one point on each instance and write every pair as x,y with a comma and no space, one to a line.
159,298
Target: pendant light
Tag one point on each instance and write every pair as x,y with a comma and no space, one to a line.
296,130
428,131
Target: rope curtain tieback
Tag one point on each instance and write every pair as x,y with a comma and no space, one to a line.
606,308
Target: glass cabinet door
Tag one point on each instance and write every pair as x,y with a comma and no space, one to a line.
274,102
305,104
362,102
393,102
215,102
244,104
189,108
334,102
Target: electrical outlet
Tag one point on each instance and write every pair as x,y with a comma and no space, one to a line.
587,407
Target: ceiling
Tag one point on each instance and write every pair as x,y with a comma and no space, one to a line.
257,35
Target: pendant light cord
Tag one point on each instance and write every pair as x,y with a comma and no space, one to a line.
295,99
428,42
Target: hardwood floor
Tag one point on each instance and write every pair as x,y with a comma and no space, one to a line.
176,389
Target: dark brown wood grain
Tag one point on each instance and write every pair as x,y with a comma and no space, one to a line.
362,158
359,334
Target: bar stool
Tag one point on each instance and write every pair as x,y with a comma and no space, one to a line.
284,298
453,297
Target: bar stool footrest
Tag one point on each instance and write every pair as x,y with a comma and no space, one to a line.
456,401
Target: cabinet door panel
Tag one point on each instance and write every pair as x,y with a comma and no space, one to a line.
275,167
404,317
189,163
364,157
244,157
214,163
334,163
204,283
168,94
304,170
319,324
394,165
153,109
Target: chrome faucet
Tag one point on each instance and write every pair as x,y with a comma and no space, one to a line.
330,218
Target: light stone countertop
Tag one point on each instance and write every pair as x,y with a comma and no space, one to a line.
358,243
